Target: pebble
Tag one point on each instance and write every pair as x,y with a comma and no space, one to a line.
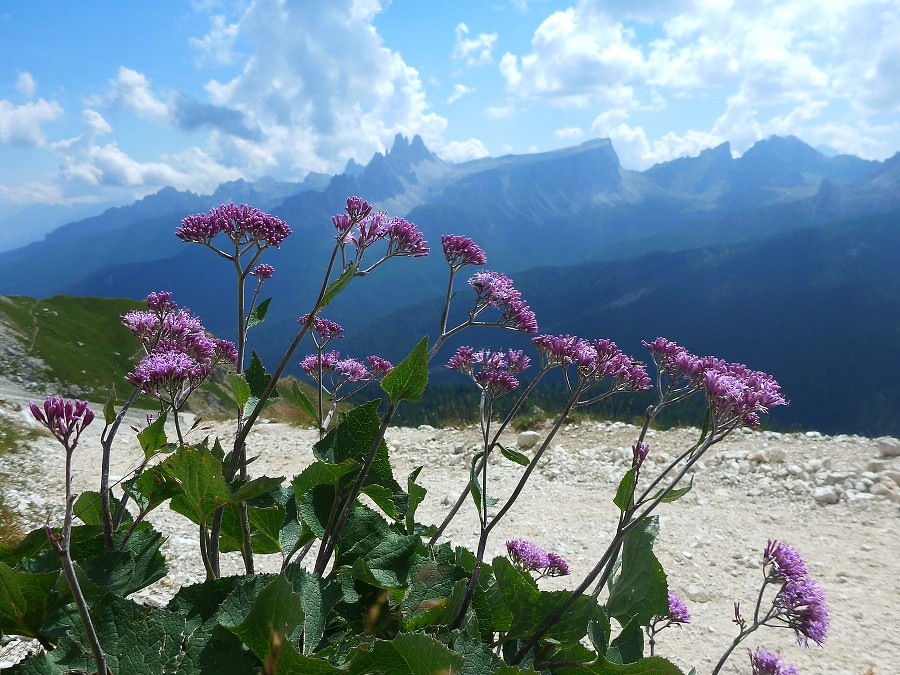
827,494
888,446
527,440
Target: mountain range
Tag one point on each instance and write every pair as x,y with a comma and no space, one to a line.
774,257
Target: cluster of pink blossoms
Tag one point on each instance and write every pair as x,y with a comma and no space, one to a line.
242,224
461,251
64,418
179,353
344,371
736,394
530,557
361,227
594,360
494,289
493,372
800,603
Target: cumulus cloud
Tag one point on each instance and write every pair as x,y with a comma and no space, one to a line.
84,160
130,90
474,51
314,104
499,112
25,84
217,46
22,124
459,90
463,151
578,56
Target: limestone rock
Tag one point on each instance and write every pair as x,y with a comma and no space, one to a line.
527,440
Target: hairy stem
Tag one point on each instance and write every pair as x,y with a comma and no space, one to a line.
106,441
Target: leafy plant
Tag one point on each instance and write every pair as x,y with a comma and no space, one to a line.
383,593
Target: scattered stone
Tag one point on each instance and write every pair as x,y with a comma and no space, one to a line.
527,440
697,593
888,446
827,494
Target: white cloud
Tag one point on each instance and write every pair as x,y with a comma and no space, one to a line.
130,90
84,160
459,90
31,192
463,151
21,125
474,51
569,133
25,84
312,103
217,46
579,56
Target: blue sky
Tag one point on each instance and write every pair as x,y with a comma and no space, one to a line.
109,101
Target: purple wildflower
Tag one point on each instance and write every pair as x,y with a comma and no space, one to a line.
461,251
161,302
242,224
495,383
738,395
463,360
517,361
180,355
263,271
678,611
379,367
527,556
326,329
673,360
63,417
404,238
639,452
801,604
764,662
558,566
327,363
357,208
494,289
351,370
786,563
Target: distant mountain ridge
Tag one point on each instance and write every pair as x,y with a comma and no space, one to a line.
569,209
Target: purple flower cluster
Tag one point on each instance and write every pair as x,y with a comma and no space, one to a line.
493,372
639,452
764,662
800,603
736,395
179,353
263,271
494,289
326,329
461,251
594,360
530,557
242,224
678,611
63,417
344,371
360,226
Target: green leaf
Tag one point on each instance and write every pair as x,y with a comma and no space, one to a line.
27,600
88,507
256,487
239,388
302,400
408,379
338,285
373,551
257,379
198,474
151,489
416,496
515,456
383,498
624,498
109,410
407,654
675,494
529,606
474,484
317,596
639,592
322,473
276,609
258,315
153,438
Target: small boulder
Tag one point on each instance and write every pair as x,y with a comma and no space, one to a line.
827,494
888,446
527,440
